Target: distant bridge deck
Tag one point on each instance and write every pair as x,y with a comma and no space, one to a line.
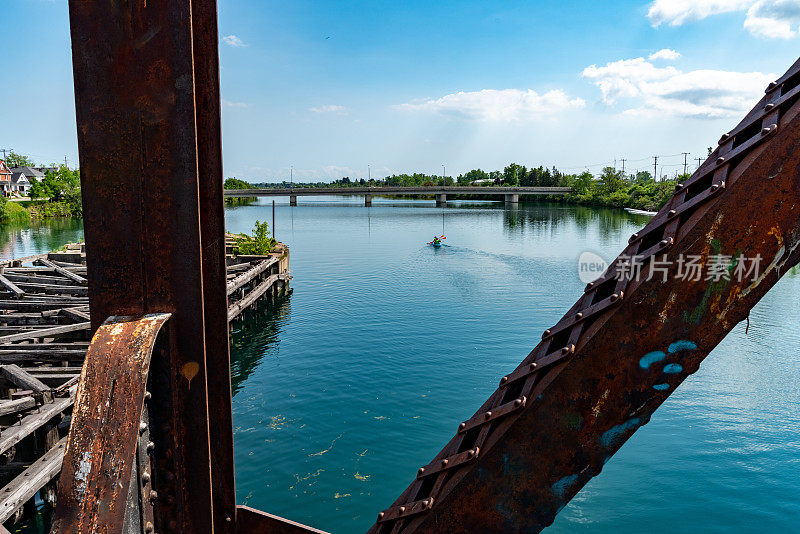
510,194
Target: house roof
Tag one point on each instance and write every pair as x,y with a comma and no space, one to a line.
29,172
16,175
3,168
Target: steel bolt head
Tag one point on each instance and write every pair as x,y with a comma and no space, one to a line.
724,138
769,107
672,213
565,350
429,502
504,380
148,527
678,187
518,403
145,477
766,131
402,510
445,462
471,453
142,428
487,415
150,447
546,333
534,365
720,160
421,470
380,516
614,297
771,86
148,395
228,519
715,187
153,495
579,315
462,426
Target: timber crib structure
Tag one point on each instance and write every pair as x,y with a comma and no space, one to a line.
150,445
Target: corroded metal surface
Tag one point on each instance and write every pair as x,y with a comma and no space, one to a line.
99,457
141,150
250,521
600,373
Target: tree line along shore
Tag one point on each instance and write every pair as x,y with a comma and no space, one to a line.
612,188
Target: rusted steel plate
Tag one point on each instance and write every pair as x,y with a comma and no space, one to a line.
630,357
103,434
252,521
139,144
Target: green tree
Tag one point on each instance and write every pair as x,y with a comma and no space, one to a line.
235,183
14,159
611,181
258,243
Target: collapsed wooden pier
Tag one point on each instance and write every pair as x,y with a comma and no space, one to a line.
44,335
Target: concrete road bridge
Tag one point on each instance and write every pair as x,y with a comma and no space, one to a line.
510,194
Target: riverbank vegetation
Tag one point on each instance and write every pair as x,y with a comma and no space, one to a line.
235,183
57,194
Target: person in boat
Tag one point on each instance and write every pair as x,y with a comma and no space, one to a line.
437,240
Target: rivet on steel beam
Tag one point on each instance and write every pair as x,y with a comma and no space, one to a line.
533,366
380,516
715,187
672,213
766,131
720,160
145,477
487,415
142,428
401,510
546,333
150,447
666,242
678,187
445,462
153,495
579,315
771,86
517,403
472,453
566,350
633,238
769,107
589,286
228,519
421,471
148,395
462,426
148,527
429,502
724,138
614,297
503,380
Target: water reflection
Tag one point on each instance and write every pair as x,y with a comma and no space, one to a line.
256,336
18,240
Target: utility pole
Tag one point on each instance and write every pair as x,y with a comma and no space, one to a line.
699,162
685,162
4,154
655,168
369,173
623,167
444,173
65,161
291,177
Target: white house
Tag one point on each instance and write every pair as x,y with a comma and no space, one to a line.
19,183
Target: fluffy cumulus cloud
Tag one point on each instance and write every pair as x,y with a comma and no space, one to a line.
642,88
666,54
232,40
775,19
331,108
497,105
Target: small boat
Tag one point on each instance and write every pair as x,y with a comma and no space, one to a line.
641,212
437,241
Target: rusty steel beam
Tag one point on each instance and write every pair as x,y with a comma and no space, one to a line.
144,159
622,349
99,457
205,37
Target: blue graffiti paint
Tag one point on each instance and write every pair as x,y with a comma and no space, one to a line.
650,358
615,434
683,344
561,487
673,368
661,387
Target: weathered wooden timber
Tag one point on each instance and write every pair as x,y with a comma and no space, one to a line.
44,335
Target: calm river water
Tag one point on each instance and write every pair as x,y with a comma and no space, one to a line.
363,374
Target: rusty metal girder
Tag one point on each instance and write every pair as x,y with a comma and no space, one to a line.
100,455
623,348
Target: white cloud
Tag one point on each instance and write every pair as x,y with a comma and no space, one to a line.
228,103
232,40
774,19
497,105
331,108
667,54
653,91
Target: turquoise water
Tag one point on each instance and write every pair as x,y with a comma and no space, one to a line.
362,375
345,388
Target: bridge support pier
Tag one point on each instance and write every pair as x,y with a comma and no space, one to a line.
441,199
367,200
293,200
512,200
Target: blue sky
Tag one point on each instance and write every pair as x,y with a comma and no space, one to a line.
332,87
